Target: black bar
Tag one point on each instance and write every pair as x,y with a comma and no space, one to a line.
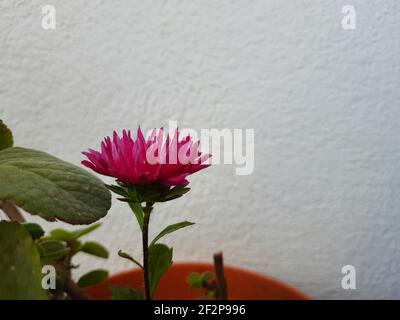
201,309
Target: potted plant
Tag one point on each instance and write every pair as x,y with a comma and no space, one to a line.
148,172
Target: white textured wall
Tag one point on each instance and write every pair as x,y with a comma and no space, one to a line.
324,104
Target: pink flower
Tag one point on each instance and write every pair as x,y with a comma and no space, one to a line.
155,160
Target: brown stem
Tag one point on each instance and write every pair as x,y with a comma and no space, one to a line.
222,292
74,291
145,239
12,211
70,287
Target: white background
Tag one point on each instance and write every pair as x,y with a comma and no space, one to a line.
324,103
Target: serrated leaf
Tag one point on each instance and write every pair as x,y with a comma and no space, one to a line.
138,211
93,277
95,249
52,249
51,188
125,293
160,259
6,137
129,257
34,230
20,268
170,229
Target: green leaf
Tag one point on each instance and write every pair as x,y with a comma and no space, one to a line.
160,259
20,268
129,257
51,188
65,235
95,249
52,249
81,232
196,280
93,277
138,211
130,192
118,190
60,234
170,229
175,193
207,276
125,293
34,229
6,137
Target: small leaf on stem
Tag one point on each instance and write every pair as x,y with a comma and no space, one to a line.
93,277
60,234
79,233
94,249
52,249
34,229
170,229
129,257
160,259
138,211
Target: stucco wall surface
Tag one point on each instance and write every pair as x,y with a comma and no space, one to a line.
323,101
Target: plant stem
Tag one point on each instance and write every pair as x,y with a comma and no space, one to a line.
74,291
70,287
11,211
145,239
222,292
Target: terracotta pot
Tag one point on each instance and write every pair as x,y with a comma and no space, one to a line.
242,284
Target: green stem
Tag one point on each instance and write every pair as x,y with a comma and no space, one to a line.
145,239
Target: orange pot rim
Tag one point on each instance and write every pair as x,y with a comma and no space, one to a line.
236,269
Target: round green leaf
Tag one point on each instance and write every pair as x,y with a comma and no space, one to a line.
51,188
93,277
6,137
95,249
60,234
34,229
20,268
52,249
